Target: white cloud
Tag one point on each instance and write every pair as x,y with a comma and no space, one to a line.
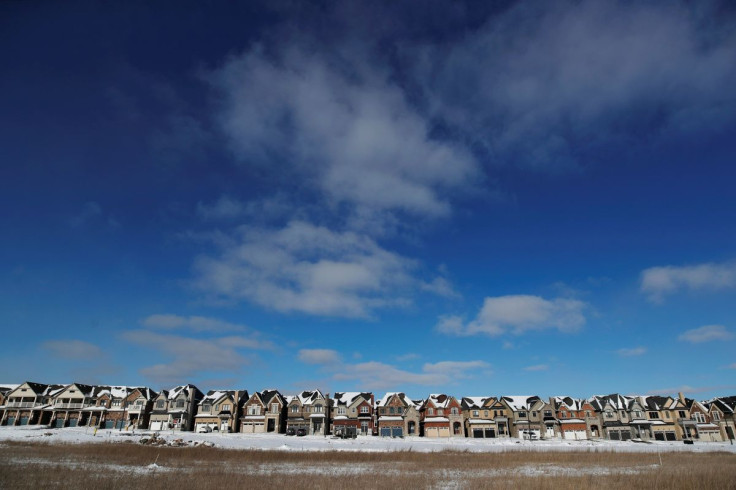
349,129
308,269
518,314
380,376
319,356
193,323
537,367
188,357
441,287
632,351
707,333
657,282
557,78
689,390
228,208
74,350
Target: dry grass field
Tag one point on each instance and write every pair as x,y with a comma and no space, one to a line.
119,465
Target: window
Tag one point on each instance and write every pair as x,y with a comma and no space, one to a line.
486,413
364,409
453,410
548,413
160,404
666,415
317,409
294,408
699,417
682,414
341,411
254,410
563,415
274,408
609,414
716,416
653,415
217,407
522,415
225,408
206,408
637,413
534,414
180,404
430,411
391,410
440,412
587,413
476,413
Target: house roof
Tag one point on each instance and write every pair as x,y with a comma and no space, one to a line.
521,402
471,402
350,397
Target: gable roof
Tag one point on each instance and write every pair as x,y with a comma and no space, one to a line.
521,402
473,402
350,397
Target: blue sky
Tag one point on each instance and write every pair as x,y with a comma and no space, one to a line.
471,198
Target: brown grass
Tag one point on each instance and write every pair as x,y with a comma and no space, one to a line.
116,465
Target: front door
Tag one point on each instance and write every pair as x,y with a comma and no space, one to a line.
271,425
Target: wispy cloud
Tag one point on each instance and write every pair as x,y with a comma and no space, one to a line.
692,390
380,376
632,351
537,367
186,357
517,314
560,78
319,356
308,269
193,323
74,350
349,127
707,333
658,282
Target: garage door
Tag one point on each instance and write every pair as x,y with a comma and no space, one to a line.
659,436
397,432
477,433
490,433
156,425
431,432
625,435
11,421
72,422
59,422
109,424
385,431
24,421
444,432
670,436
574,434
614,435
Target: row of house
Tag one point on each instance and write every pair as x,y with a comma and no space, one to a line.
352,414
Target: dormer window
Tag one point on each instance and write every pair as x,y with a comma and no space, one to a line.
430,411
364,409
453,410
522,415
341,411
206,408
318,409
160,404
295,409
274,408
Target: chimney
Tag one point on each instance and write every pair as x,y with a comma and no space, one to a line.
681,397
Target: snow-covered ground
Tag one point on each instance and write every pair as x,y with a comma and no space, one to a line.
319,443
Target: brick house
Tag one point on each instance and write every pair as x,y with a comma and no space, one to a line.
264,411
721,412
705,429
398,415
175,408
309,410
660,412
352,414
218,411
577,418
441,416
68,404
526,415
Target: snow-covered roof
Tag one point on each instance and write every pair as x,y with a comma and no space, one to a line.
340,417
474,401
349,397
383,401
521,402
214,395
388,418
317,416
440,400
479,421
309,397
